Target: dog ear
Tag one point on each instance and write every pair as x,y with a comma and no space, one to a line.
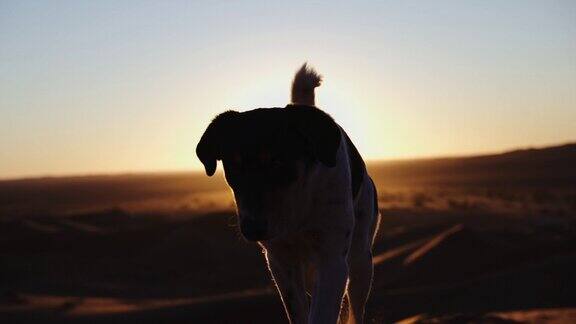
211,145
319,129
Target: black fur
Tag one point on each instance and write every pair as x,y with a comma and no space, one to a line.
357,166
286,134
319,128
210,147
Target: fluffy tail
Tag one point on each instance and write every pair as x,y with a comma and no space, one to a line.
305,80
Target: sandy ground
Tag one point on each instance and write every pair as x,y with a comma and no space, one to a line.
453,247
430,267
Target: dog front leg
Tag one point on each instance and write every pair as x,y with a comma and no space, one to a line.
331,278
289,279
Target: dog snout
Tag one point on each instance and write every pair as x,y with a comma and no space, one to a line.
254,229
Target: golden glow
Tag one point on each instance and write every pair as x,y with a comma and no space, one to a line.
135,93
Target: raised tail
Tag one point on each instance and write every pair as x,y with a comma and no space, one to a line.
305,80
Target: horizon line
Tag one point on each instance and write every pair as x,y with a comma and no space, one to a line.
195,170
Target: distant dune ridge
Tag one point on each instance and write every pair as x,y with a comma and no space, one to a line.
550,165
535,167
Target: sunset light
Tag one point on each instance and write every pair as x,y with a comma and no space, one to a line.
102,87
418,167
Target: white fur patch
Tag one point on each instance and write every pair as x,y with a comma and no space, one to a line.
305,80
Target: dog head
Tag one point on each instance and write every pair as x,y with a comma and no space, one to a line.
267,154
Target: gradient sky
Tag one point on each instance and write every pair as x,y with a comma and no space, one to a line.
129,86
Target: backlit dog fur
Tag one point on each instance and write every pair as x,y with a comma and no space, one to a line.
303,193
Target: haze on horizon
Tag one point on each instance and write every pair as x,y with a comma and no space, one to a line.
104,87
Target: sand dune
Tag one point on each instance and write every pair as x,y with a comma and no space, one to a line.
447,251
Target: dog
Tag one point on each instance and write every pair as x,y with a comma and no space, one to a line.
303,193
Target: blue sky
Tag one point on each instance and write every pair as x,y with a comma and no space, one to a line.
107,86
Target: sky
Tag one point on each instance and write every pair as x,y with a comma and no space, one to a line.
89,87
